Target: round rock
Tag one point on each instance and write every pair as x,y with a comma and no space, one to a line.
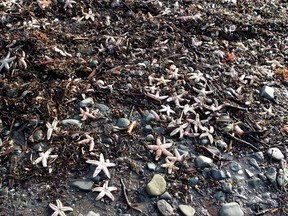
235,167
123,123
203,162
156,186
164,207
187,210
275,153
229,209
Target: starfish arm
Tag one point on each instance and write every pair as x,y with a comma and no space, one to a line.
52,206
112,188
66,208
153,147
44,162
37,160
97,170
61,213
49,133
92,144
102,158
110,195
94,162
175,131
101,194
59,204
106,171
108,164
56,213
158,154
90,115
166,152
83,141
166,145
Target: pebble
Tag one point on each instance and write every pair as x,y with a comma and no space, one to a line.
221,144
87,102
239,180
254,163
194,180
235,167
254,182
231,209
220,196
149,117
218,174
151,166
123,123
83,184
259,156
70,122
271,175
148,128
249,173
203,162
102,108
227,187
275,153
166,196
164,207
159,130
91,213
149,137
156,186
187,210
267,92
204,141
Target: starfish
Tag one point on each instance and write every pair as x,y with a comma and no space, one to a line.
162,80
156,96
202,92
208,133
89,15
169,165
51,127
179,130
86,114
177,156
197,77
5,62
44,157
160,148
88,139
177,98
68,3
197,123
101,165
166,109
105,191
59,209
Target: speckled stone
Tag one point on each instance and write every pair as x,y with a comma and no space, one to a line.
156,186
165,208
202,161
83,184
275,153
187,210
231,209
123,123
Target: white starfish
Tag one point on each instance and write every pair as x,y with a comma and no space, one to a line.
88,139
101,165
5,62
68,3
105,191
59,209
51,127
166,109
44,157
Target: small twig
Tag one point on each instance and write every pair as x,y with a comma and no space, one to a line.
126,197
263,212
243,142
131,127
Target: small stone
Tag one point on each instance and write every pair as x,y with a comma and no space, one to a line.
202,162
87,102
123,123
149,137
249,173
267,92
151,166
204,141
93,63
159,130
254,182
271,175
221,144
187,210
83,184
164,207
275,153
218,174
71,122
194,180
220,196
91,213
156,186
254,163
239,180
166,196
259,156
235,167
108,141
102,108
149,117
227,187
148,128
231,209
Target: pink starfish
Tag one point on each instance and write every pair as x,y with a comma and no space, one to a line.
160,148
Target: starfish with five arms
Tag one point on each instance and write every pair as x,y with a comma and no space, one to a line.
44,157
5,62
86,114
105,191
101,165
160,148
59,209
